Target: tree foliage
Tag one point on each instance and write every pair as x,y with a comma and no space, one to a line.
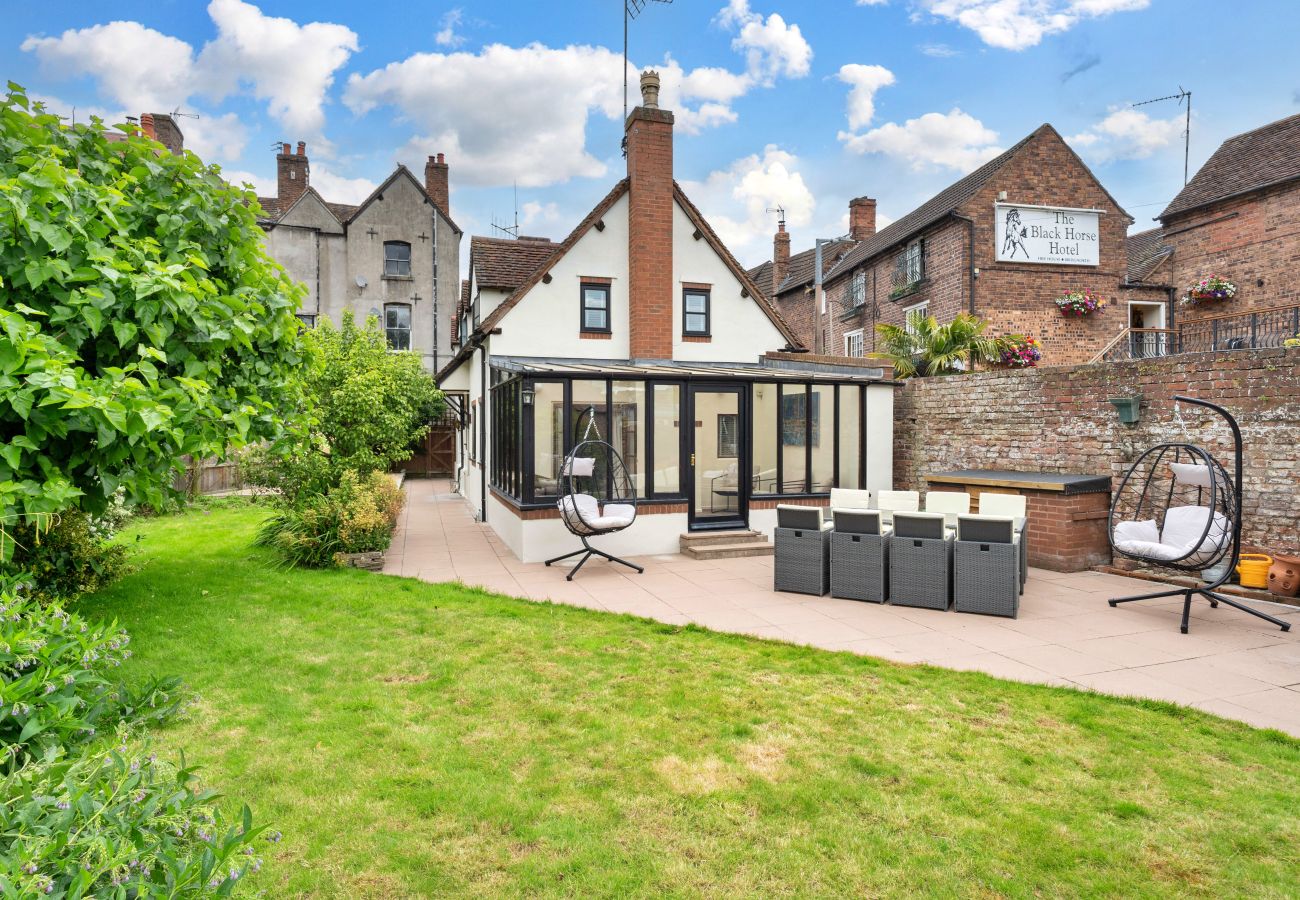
924,347
365,406
140,317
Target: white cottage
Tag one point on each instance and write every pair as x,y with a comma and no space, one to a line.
643,316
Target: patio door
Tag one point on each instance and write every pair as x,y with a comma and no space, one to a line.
717,456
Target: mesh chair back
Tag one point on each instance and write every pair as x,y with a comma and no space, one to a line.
986,529
1013,505
919,525
804,518
857,521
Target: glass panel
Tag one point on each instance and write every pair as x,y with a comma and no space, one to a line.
697,323
823,438
794,462
716,475
667,438
593,318
548,437
850,444
628,426
763,473
696,303
588,394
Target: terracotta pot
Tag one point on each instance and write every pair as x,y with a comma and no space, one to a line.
1284,576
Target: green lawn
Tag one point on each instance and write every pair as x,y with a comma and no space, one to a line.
413,739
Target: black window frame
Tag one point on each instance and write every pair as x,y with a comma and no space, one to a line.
707,294
388,330
306,320
604,288
407,261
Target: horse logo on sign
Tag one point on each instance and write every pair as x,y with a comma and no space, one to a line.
1015,236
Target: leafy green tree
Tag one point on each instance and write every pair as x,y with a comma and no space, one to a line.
140,317
365,406
924,347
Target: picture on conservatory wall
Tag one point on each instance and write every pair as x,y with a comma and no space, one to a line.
794,424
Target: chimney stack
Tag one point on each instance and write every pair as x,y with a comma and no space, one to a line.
436,184
292,174
862,218
165,131
780,256
146,126
649,133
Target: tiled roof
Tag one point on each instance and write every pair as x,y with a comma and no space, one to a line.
270,209
462,304
344,212
929,212
802,268
761,275
1146,251
1257,159
505,263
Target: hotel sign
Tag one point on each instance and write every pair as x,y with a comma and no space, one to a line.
1047,234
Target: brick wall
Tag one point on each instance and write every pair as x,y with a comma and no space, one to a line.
650,233
1252,241
1059,420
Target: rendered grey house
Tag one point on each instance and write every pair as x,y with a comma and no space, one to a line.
395,256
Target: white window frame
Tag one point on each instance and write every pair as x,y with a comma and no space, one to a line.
923,307
855,336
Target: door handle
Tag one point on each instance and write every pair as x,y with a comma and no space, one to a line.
692,460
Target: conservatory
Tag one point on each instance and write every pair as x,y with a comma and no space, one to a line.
706,446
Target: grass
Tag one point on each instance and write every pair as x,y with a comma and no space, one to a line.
414,739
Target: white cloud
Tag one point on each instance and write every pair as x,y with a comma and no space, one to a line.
771,46
215,137
1017,24
339,189
736,200
939,51
139,68
864,81
533,213
1128,134
447,36
263,187
871,2
289,65
954,140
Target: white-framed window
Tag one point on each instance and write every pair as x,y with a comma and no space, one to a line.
397,259
397,325
858,289
853,343
920,309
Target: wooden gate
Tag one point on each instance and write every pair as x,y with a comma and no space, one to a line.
437,452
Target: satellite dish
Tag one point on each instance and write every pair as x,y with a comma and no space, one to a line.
361,282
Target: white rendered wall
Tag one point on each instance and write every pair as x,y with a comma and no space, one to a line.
880,437
543,539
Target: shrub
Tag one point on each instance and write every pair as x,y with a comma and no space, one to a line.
356,516
54,679
74,555
924,347
141,318
117,821
365,406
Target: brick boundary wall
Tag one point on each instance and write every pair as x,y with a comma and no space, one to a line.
1059,420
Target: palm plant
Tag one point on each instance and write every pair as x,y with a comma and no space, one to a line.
924,347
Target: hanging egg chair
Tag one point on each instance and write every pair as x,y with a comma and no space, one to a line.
1177,508
597,496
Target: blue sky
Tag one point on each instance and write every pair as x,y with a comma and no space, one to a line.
802,105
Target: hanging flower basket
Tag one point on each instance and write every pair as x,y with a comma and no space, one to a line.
1208,290
1077,304
1021,352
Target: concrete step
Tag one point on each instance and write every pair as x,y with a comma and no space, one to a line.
729,551
703,538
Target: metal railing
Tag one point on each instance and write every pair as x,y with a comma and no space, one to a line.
1257,329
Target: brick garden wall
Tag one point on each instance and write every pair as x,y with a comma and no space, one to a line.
1059,420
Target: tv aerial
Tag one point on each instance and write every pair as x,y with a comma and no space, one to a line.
631,9
1183,94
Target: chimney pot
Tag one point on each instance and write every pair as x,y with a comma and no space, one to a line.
285,148
862,218
146,126
302,148
650,89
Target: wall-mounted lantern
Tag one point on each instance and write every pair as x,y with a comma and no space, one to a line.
1128,408
527,396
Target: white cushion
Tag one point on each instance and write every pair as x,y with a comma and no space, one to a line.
1148,549
951,503
619,510
603,522
1192,474
587,506
848,498
993,504
1184,526
899,501
580,465
1132,531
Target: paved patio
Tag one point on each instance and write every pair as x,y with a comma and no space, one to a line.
1230,664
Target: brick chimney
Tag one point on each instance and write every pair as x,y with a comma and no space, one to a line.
435,183
649,132
292,174
163,129
862,218
780,256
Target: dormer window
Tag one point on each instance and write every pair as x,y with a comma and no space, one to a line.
397,259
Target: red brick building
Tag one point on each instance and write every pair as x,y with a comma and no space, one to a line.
1239,218
1002,243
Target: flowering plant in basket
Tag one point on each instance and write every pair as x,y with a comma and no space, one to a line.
1212,287
1021,352
1080,303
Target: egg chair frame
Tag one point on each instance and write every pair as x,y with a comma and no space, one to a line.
599,496
1142,491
